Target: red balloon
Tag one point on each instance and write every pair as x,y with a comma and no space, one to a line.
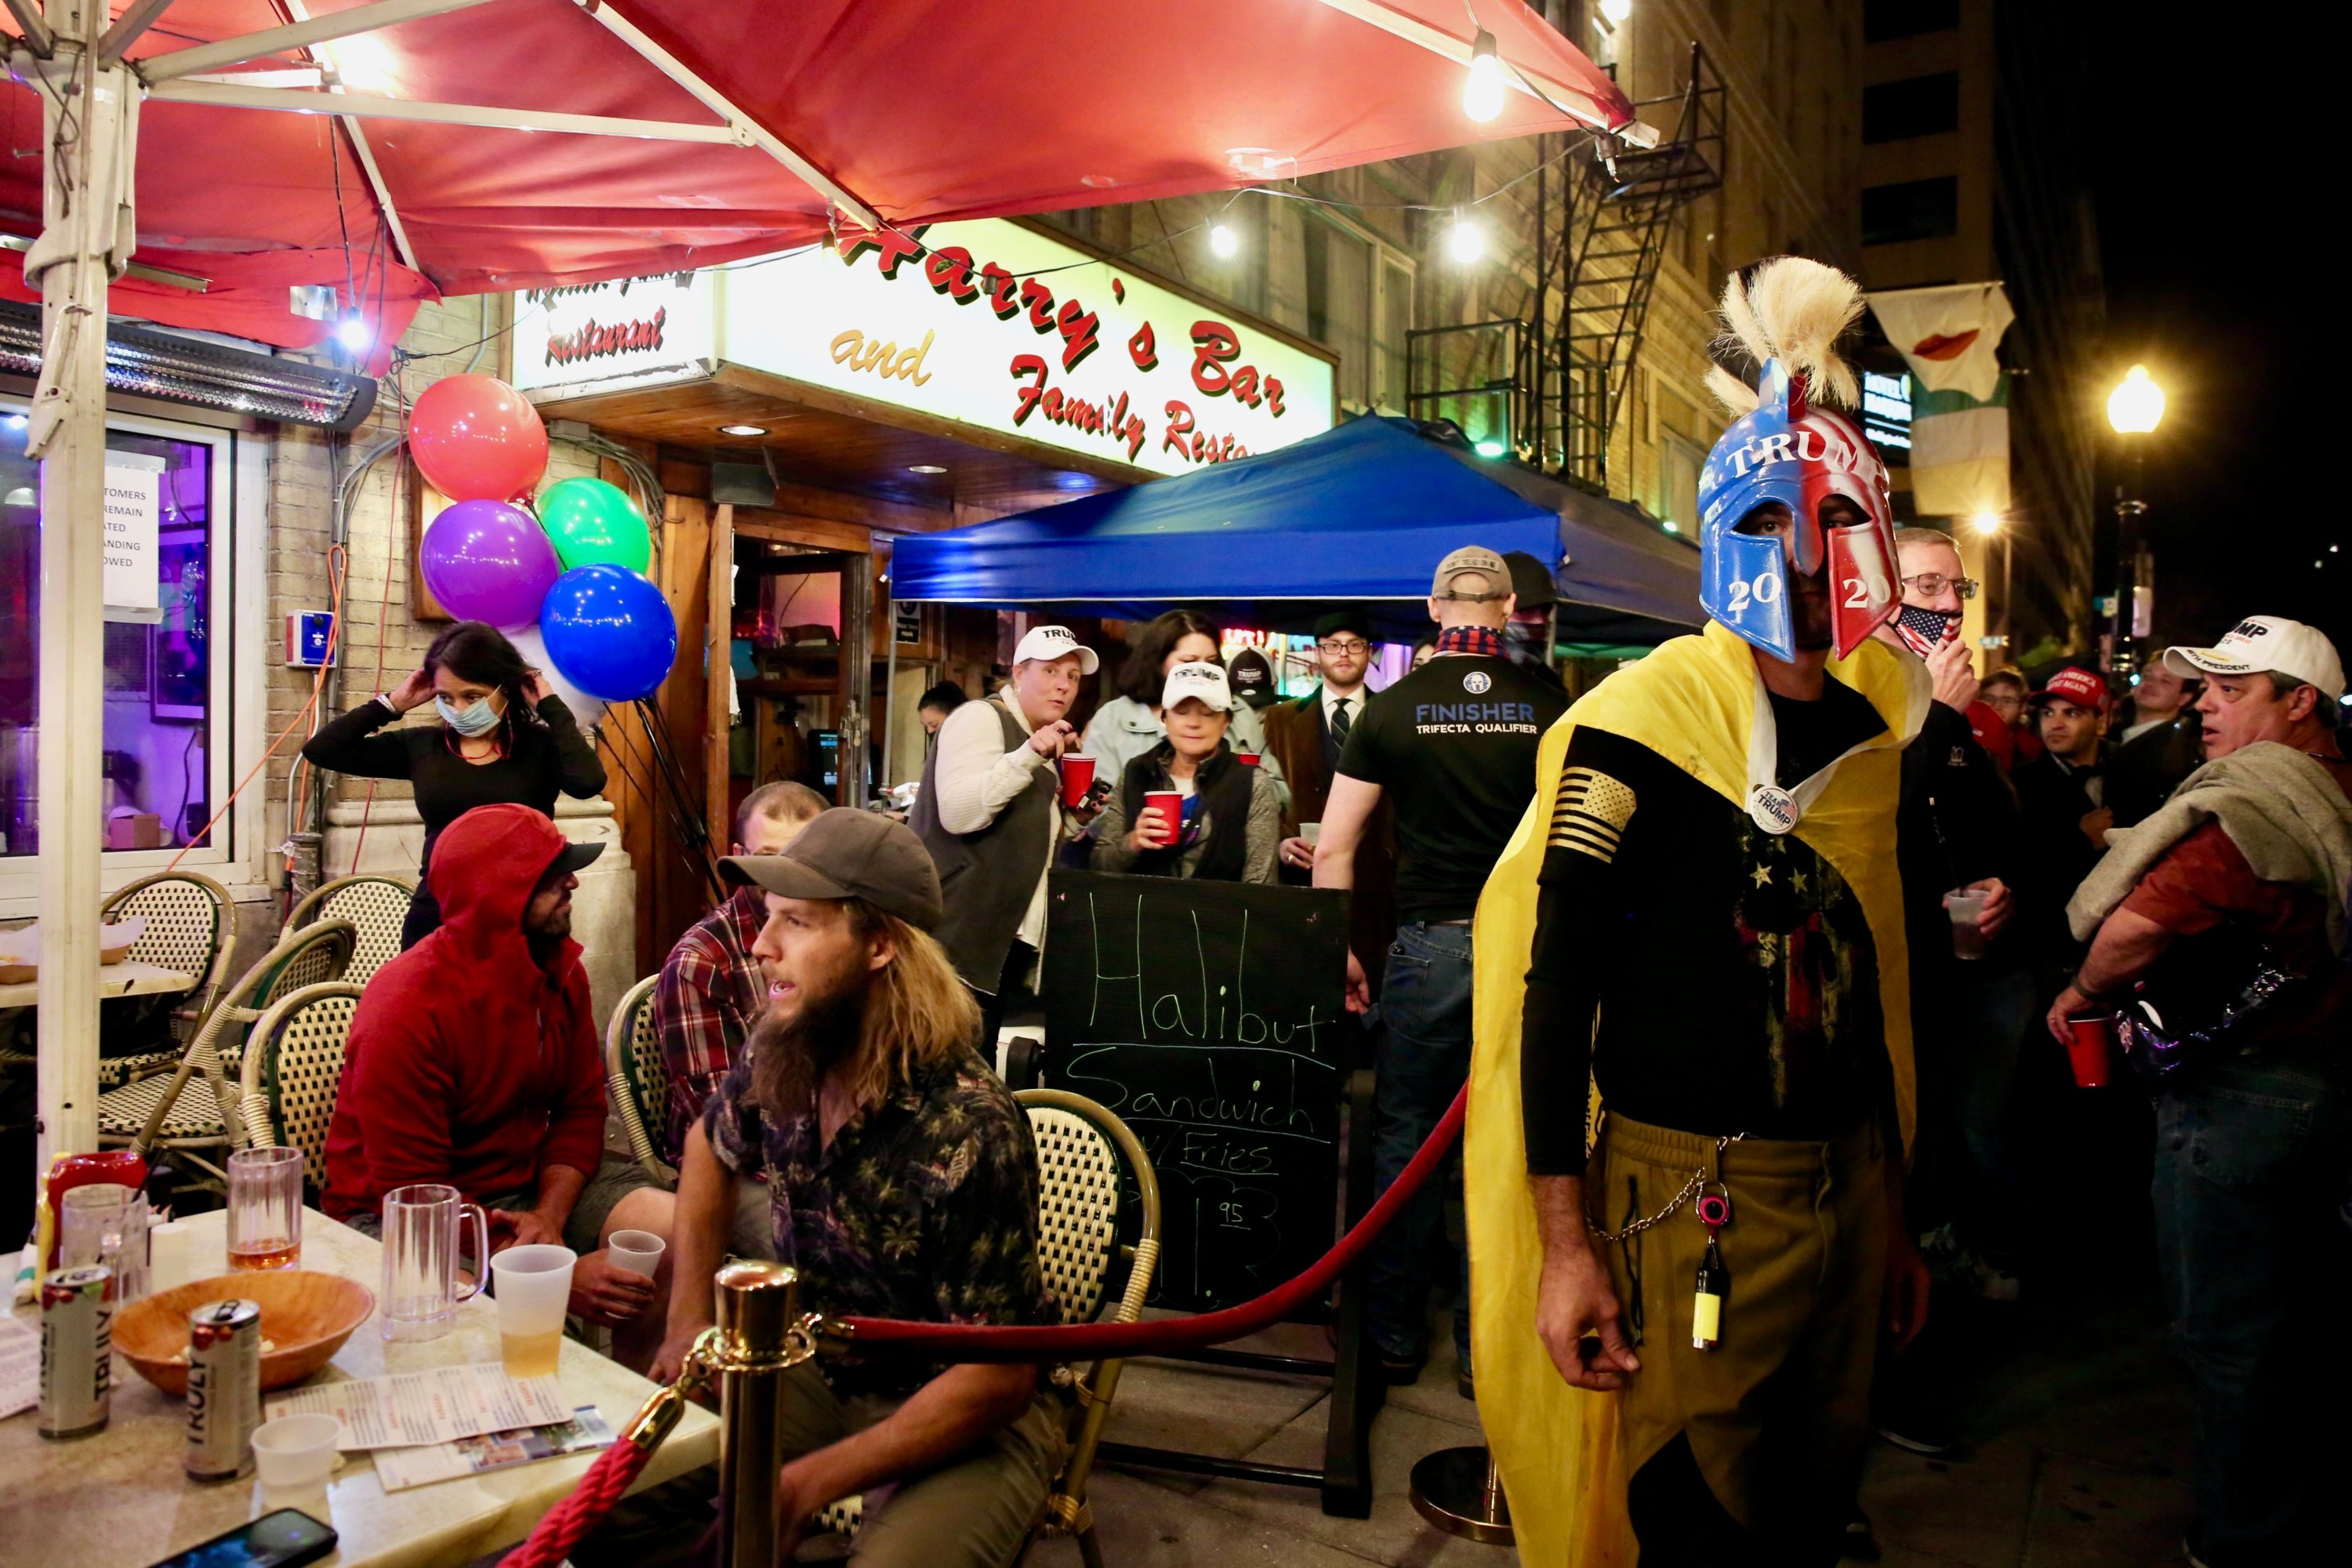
477,438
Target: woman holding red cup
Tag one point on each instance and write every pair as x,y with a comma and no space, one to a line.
1190,807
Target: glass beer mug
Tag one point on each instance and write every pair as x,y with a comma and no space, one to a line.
421,1228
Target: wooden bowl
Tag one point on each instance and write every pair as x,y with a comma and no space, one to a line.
305,1316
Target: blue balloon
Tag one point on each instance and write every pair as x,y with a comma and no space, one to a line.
609,632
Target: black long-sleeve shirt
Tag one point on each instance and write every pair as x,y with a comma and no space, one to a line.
1709,976
542,761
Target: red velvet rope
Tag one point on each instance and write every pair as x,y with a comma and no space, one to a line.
984,1342
562,1526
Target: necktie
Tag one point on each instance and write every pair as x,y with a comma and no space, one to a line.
1339,719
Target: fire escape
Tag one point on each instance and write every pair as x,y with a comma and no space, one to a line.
1549,382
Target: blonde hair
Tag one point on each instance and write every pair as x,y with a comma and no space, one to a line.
918,1013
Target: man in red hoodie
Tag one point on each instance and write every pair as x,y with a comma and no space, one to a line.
473,1062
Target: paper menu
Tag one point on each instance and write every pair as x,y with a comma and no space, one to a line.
410,1409
400,1468
20,1366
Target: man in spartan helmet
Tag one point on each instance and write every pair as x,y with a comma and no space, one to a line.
1700,922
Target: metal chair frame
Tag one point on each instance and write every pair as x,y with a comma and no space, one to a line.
320,952
374,901
1077,1227
308,1025
636,1079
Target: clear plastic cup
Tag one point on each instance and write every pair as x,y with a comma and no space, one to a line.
638,1251
532,1285
1967,910
1310,831
294,1452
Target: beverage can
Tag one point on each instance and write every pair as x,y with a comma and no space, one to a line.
224,1389
77,1350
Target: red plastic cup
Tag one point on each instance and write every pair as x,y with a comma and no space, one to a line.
1171,807
1247,759
1077,777
2091,1049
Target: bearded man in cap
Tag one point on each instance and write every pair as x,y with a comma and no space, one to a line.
1700,917
902,1183
2218,927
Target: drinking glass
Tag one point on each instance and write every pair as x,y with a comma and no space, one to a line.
1967,910
104,1223
533,1285
264,1209
420,1259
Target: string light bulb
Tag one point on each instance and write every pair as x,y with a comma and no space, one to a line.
1224,241
1616,11
1467,241
353,333
1482,90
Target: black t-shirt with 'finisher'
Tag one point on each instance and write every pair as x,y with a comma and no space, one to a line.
1453,745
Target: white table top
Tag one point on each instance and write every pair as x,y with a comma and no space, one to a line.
120,1499
129,978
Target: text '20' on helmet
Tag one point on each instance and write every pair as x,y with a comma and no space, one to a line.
1789,445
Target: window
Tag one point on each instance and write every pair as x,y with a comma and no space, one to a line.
1336,284
1915,209
1918,106
1396,330
165,732
1886,19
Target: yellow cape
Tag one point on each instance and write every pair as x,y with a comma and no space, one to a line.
1693,702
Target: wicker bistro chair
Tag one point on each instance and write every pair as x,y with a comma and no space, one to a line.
1081,1150
293,1063
191,927
194,1109
376,904
636,1079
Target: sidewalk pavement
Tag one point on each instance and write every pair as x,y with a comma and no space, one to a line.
2076,1455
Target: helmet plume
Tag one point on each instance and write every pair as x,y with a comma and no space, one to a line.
1793,309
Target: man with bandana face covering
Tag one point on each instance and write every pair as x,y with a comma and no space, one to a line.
1679,1301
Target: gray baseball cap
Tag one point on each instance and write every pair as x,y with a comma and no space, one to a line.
1472,558
849,854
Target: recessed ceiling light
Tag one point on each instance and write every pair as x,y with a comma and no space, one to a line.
742,429
925,469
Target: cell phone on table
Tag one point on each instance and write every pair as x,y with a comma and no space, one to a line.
286,1538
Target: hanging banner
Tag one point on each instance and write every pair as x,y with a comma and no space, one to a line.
984,324
1959,454
1947,334
133,513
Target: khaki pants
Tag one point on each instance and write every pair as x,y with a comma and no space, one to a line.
972,1512
1777,1415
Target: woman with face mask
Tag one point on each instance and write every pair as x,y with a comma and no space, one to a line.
1228,821
503,738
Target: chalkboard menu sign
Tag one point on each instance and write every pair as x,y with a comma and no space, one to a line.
1212,1018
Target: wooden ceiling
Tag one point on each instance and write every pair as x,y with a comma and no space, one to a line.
823,438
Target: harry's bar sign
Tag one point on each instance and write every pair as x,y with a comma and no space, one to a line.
985,323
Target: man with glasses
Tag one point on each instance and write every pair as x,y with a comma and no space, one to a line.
1307,737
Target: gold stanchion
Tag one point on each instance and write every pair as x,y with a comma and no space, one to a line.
759,1335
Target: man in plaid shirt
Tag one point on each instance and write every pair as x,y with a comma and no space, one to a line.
711,992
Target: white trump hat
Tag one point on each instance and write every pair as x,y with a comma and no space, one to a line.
1054,642
1203,681
2261,643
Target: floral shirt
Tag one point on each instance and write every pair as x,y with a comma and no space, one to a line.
924,1208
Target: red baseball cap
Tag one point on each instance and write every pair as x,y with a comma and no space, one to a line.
2077,686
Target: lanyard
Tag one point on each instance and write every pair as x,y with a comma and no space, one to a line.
1772,808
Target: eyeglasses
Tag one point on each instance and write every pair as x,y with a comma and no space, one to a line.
1934,583
1345,645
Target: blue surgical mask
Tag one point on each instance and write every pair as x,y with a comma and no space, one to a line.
473,720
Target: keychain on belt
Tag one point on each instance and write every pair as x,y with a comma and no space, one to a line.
1714,1279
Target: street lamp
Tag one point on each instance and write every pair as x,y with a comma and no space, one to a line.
2135,408
1989,524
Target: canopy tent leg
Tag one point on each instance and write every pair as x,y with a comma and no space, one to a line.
90,127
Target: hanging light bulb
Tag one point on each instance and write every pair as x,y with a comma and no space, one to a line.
1482,92
1224,241
1467,241
1616,11
353,333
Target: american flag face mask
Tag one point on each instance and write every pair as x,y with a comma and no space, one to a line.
1924,631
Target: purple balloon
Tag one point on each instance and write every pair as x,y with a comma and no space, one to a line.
487,561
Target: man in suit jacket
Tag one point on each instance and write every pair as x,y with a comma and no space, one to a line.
1305,737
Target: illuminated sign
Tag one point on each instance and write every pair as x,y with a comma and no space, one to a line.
986,324
605,337
1886,409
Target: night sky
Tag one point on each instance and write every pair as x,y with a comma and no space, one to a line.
2216,263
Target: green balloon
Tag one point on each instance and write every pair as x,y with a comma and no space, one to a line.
591,523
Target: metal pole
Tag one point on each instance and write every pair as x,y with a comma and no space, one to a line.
890,704
88,117
757,1304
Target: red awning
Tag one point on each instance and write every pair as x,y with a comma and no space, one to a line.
916,111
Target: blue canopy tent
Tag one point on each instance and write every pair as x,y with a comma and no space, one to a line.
1355,518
